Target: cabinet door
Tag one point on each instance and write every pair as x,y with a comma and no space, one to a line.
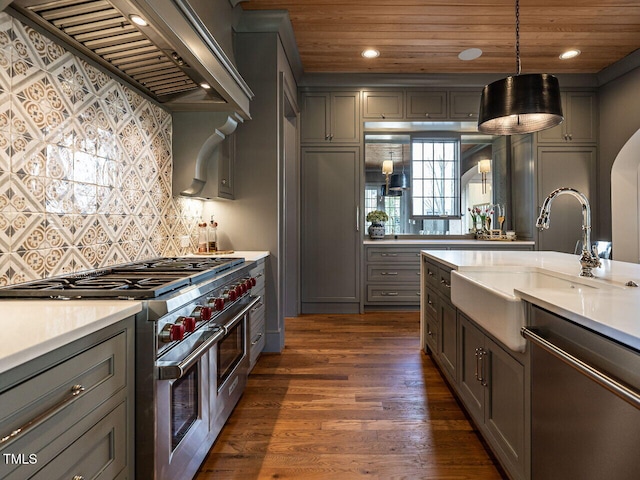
330,237
565,167
226,164
523,199
583,118
580,120
471,385
381,105
345,117
314,119
464,105
504,410
448,337
427,105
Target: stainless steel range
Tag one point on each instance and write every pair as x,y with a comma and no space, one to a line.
192,349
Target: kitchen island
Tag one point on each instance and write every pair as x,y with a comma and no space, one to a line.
524,395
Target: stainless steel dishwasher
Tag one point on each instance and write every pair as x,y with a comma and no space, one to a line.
585,402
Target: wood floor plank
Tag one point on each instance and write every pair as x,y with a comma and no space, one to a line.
350,397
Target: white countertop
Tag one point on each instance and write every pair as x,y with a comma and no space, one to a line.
31,328
248,255
446,241
613,312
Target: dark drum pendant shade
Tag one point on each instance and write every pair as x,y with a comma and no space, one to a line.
390,193
520,104
399,181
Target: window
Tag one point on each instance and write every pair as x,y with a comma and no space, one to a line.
435,177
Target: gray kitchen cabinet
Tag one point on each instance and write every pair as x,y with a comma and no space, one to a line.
382,104
492,388
580,120
523,194
257,324
565,167
439,328
330,117
75,407
392,275
464,104
426,104
330,236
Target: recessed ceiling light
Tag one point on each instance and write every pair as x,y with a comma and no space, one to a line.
205,85
573,53
370,53
470,54
138,20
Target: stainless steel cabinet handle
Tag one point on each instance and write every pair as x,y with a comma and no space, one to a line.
388,273
77,477
430,333
257,339
431,274
73,395
445,283
388,254
389,294
357,218
477,364
625,393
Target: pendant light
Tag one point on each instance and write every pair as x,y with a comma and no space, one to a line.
520,103
400,181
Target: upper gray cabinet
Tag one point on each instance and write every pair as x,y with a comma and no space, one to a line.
464,104
580,120
426,104
382,105
330,117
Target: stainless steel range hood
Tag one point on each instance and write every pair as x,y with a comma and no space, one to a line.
168,60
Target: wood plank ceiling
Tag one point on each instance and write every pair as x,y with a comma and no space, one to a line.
426,36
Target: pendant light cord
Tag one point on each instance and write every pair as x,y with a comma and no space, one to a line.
518,66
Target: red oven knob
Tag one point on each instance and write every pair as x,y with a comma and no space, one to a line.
189,323
248,283
253,281
171,333
206,313
230,295
239,290
218,303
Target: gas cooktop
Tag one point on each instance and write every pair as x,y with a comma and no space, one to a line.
144,279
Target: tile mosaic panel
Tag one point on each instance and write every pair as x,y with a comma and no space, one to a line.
85,165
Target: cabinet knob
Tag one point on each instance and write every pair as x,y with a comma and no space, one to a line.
223,181
427,115
78,477
383,116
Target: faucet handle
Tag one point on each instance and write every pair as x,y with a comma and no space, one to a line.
595,256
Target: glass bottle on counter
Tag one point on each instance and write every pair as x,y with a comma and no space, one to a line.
213,235
203,240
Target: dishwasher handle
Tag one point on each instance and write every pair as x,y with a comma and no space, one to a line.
614,386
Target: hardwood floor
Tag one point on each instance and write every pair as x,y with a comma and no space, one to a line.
350,397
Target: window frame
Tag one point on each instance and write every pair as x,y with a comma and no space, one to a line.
426,137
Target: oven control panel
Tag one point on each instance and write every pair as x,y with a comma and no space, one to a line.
209,307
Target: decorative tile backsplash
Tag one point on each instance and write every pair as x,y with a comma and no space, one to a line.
85,165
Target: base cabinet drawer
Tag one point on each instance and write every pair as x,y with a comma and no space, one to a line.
72,410
393,274
98,454
393,294
258,339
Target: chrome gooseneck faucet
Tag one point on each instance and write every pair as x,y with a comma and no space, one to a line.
588,259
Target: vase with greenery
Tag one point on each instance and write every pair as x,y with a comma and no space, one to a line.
377,219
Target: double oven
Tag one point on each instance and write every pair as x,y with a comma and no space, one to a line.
192,349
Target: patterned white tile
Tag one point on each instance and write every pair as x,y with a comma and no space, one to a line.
29,156
28,193
97,80
59,196
30,264
44,51
59,231
60,261
85,167
19,270
59,162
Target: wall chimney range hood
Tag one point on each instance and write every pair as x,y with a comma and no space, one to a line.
167,60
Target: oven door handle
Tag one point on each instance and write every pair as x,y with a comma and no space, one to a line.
175,370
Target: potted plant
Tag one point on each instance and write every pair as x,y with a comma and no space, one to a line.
377,219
